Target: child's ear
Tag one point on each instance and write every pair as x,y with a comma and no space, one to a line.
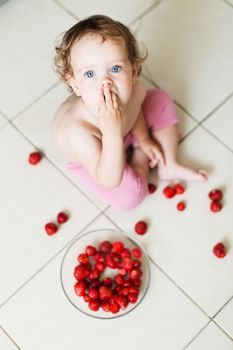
135,72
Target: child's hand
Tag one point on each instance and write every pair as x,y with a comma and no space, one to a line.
109,113
150,148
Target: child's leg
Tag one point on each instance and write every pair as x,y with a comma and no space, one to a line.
160,114
168,139
126,196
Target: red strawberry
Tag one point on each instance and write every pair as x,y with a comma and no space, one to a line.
151,188
83,259
219,250
90,250
216,206
127,264
132,297
62,217
169,192
100,266
94,305
114,308
106,306
140,227
34,158
105,247
105,293
181,206
107,282
80,288
179,189
215,195
137,253
122,301
51,228
79,272
93,293
117,247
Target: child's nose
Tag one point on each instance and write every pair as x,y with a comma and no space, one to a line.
106,81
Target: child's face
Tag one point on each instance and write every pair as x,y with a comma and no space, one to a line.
96,62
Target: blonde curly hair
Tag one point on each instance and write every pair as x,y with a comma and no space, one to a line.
105,26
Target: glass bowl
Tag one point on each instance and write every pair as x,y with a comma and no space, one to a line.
70,261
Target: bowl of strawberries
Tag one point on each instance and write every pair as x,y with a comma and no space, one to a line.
105,273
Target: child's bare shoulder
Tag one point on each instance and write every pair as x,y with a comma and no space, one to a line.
71,129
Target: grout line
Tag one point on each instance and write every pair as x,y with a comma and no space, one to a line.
63,7
8,336
145,12
49,261
50,161
227,302
216,108
228,3
223,330
35,101
198,333
216,138
180,288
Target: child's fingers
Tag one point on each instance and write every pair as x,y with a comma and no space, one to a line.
108,96
115,101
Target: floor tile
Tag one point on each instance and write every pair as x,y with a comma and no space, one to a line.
220,123
36,124
164,310
6,343
3,121
181,242
190,51
31,196
125,11
211,338
29,56
225,318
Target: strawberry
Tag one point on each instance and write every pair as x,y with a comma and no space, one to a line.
215,195
179,189
93,293
169,192
215,206
90,250
181,206
140,227
34,158
105,293
132,297
83,259
219,250
51,228
105,247
80,272
117,247
137,253
80,288
151,188
114,308
62,217
94,304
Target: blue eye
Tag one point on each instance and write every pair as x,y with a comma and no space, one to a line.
90,74
115,69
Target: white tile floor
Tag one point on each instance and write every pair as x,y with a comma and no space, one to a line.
189,304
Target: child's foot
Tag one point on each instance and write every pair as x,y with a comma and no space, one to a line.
177,171
140,162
